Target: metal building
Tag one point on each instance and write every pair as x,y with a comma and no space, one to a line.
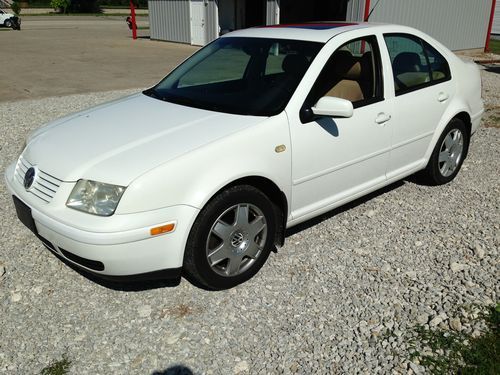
496,21
459,24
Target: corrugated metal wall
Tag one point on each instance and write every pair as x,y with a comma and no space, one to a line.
212,20
272,12
170,20
355,10
496,21
458,24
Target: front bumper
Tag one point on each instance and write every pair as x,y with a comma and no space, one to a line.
119,245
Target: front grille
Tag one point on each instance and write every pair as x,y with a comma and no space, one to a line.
44,187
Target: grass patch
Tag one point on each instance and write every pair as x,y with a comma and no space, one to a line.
491,118
495,46
494,122
456,353
60,367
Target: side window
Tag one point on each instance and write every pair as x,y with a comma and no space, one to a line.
352,73
415,63
439,66
409,64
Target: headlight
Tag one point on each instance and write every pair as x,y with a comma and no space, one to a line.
95,197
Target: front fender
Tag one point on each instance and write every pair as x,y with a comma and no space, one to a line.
193,178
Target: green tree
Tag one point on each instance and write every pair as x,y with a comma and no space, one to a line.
60,4
16,8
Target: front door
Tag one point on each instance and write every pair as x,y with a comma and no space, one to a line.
335,160
198,23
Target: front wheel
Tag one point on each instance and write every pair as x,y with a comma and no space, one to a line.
8,23
448,155
231,239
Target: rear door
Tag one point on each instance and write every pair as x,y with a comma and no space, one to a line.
422,91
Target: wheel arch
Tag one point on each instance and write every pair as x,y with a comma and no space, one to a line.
465,117
273,192
459,112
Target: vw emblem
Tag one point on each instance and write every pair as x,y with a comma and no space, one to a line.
29,177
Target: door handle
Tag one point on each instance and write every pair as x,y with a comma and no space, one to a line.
382,118
442,97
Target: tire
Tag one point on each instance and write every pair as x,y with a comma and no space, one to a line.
231,238
8,23
449,153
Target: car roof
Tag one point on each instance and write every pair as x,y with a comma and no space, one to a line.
314,31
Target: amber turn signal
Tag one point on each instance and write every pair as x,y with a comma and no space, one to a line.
162,229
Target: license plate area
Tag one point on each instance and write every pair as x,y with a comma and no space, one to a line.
24,214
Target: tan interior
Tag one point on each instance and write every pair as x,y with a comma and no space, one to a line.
411,79
348,69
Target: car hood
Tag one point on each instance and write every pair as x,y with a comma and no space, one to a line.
117,142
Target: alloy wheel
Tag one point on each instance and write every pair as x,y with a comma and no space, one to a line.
236,239
450,152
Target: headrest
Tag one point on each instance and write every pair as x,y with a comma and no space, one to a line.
407,62
346,65
294,64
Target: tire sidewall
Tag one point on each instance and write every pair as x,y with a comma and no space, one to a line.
434,161
196,244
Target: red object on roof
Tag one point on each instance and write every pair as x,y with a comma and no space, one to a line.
313,26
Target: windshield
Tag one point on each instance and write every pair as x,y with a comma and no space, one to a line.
249,76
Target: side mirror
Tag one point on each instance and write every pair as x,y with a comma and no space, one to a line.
333,107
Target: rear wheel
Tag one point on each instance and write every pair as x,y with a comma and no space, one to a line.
231,239
448,155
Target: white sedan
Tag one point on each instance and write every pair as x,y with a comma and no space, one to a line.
5,18
260,130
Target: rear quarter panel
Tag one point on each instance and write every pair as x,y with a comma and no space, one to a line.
467,80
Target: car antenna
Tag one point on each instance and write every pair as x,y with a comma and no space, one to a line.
369,14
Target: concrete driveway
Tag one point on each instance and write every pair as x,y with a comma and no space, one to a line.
62,55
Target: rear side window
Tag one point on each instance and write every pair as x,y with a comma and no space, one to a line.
438,64
415,63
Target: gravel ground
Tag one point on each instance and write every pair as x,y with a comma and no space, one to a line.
339,297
